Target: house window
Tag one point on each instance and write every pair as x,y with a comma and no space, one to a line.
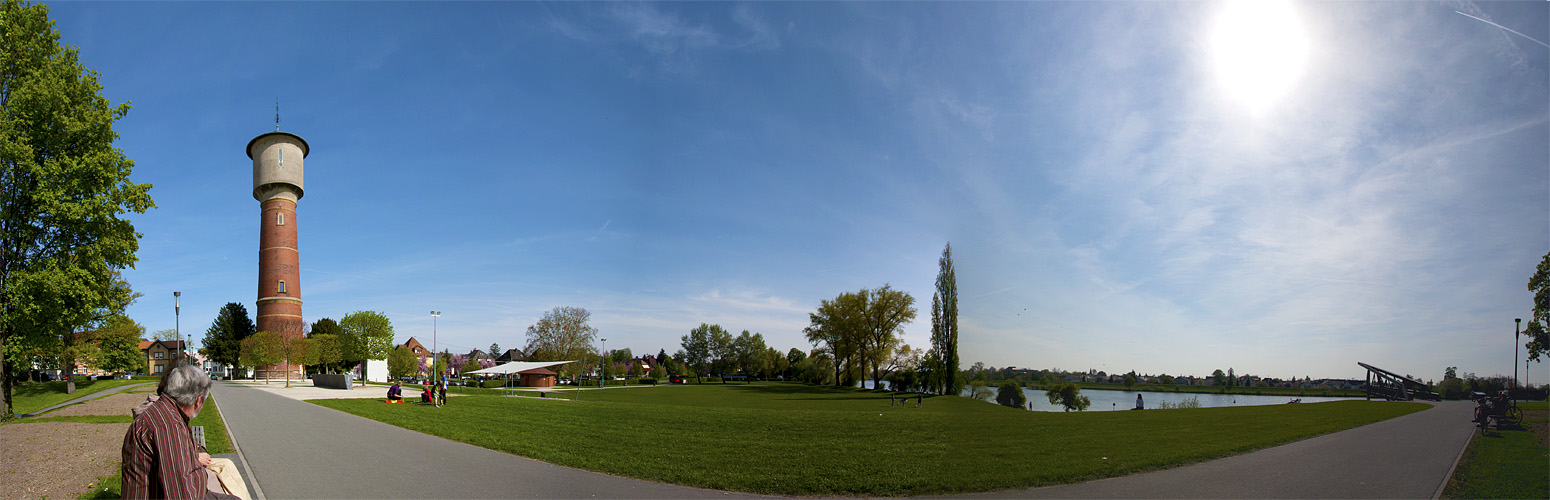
160,355
282,286
279,219
157,369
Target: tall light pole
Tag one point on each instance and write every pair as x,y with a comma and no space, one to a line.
437,314
1517,323
177,314
603,361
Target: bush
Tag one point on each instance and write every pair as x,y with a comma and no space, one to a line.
646,381
1192,402
493,384
1011,394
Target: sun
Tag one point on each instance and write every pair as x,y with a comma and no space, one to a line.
1258,48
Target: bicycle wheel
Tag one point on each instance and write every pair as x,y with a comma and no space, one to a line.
1515,415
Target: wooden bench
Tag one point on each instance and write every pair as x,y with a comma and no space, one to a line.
199,435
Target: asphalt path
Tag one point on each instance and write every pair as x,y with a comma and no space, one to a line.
1405,457
296,449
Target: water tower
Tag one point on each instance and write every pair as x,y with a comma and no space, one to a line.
277,168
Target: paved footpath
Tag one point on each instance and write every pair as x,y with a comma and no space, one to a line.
300,450
1405,457
83,399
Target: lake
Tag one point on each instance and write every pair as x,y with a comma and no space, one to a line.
1111,400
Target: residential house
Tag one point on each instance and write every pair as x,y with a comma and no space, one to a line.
160,355
510,355
418,349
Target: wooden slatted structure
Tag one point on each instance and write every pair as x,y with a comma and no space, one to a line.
1395,387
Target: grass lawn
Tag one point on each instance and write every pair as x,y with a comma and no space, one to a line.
795,439
1507,463
33,396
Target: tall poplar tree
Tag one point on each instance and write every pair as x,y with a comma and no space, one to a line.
63,186
944,324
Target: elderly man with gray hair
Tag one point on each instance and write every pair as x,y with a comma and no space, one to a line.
160,457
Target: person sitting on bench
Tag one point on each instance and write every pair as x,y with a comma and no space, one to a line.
395,393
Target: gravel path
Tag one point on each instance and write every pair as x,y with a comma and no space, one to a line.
116,404
57,459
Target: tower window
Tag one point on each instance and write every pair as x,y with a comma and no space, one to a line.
279,219
282,286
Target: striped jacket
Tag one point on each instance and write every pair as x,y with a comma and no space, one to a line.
160,458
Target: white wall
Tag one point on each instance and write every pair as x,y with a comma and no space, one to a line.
376,370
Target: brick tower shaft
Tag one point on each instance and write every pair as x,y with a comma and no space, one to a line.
277,185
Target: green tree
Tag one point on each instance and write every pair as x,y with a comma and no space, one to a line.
1219,377
794,358
326,353
63,188
1068,395
1538,329
1011,394
978,389
1232,377
223,340
402,362
699,345
887,311
118,342
562,334
1130,380
261,349
748,352
839,328
365,335
495,350
470,365
325,326
944,326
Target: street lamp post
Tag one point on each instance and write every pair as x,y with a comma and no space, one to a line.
437,314
603,362
1517,323
177,306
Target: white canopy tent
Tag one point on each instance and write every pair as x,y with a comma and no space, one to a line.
508,370
516,367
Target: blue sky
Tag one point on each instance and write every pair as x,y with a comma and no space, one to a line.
1120,191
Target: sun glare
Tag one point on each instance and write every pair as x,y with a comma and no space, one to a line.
1259,49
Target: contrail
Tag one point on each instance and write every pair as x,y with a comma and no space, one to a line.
1510,30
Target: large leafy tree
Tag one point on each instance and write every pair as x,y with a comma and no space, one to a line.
943,359
261,349
749,352
837,329
1011,394
1538,329
699,346
118,343
562,334
887,311
1069,396
402,362
223,340
365,335
63,186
